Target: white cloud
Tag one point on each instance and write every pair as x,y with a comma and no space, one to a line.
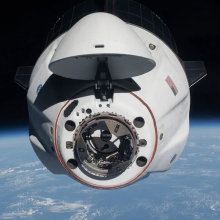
24,171
191,144
214,147
20,214
212,173
44,168
32,164
24,180
27,171
5,172
192,154
182,158
67,207
88,190
195,200
13,169
82,214
45,202
178,172
212,207
78,209
97,213
58,206
20,169
190,172
53,189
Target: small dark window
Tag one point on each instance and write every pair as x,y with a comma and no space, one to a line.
52,148
88,111
139,122
51,130
72,164
99,46
70,125
141,161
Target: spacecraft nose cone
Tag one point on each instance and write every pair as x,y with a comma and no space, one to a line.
101,35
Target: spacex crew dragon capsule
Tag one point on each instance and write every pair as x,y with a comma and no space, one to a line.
108,99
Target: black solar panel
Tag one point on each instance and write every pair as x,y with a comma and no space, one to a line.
133,19
146,14
135,8
67,17
147,25
195,71
23,75
58,26
90,6
122,15
121,5
65,27
79,10
157,22
75,20
109,7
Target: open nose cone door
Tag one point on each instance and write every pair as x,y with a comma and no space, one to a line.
101,35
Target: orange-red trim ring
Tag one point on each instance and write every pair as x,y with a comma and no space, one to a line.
107,187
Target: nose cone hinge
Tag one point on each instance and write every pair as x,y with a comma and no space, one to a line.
103,81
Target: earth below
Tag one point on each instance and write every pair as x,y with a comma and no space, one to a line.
189,190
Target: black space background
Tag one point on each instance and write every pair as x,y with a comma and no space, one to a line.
194,24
